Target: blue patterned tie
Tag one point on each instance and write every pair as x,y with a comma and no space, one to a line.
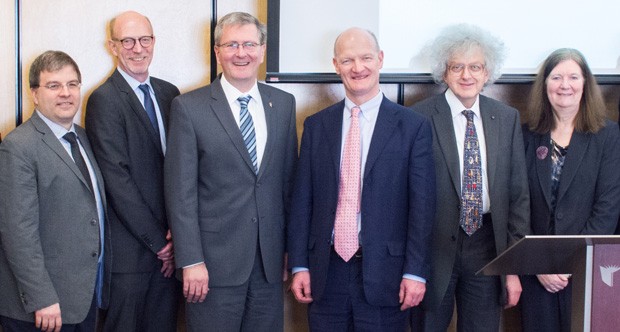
149,107
471,193
246,125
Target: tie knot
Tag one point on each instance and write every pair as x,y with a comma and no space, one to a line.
244,100
71,137
144,88
355,111
469,114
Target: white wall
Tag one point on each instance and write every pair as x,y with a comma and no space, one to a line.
7,66
79,28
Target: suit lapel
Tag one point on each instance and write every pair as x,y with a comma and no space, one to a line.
273,130
54,144
222,111
543,166
576,151
163,109
444,129
333,134
130,97
91,157
387,119
491,127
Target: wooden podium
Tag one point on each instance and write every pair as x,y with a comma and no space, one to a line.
592,261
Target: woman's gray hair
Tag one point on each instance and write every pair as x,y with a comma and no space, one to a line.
461,39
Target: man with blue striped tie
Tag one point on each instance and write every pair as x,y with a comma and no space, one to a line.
232,151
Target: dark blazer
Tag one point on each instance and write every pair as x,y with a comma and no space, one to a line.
49,226
217,206
588,199
130,155
397,203
508,190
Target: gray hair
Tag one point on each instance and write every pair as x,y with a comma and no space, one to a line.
239,18
460,39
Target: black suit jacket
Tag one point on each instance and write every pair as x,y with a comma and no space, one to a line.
131,159
588,199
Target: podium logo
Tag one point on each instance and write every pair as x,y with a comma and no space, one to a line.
607,274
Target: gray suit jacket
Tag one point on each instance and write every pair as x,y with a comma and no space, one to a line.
217,207
129,153
49,226
508,188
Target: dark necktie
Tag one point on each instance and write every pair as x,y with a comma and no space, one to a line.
471,200
149,107
246,125
78,159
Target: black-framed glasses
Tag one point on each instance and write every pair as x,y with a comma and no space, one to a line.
129,42
57,86
234,46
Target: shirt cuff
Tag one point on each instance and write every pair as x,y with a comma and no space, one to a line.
299,269
415,278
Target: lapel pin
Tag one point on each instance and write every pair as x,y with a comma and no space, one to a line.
270,105
541,152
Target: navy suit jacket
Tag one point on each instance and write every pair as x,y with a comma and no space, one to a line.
129,153
588,199
397,203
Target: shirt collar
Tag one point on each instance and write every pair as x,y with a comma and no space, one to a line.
457,108
233,93
134,83
369,109
58,130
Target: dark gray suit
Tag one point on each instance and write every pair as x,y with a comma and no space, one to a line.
508,190
130,154
220,211
49,226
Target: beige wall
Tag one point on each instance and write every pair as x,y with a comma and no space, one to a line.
182,57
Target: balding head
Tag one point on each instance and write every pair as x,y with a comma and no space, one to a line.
128,17
356,34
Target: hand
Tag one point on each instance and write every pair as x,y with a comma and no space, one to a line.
301,287
411,293
553,283
195,283
513,291
48,319
167,252
167,268
285,270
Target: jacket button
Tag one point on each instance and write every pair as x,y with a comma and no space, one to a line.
93,222
453,238
94,254
254,220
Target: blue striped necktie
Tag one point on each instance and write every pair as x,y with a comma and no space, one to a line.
246,125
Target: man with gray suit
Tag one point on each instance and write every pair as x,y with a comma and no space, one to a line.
126,121
54,247
482,189
232,151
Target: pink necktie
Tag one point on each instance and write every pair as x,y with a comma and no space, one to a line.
345,228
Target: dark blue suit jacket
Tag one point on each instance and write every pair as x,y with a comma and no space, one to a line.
397,203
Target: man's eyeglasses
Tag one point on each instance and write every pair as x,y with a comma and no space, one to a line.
474,68
55,86
234,46
129,43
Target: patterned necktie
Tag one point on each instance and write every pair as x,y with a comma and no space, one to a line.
345,227
246,125
71,137
471,195
149,107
